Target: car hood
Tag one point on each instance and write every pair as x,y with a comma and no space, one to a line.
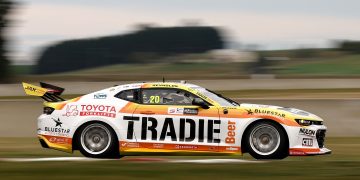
296,113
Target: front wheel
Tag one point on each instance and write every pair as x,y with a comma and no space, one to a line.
98,140
266,140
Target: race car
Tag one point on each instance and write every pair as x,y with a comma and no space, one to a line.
170,118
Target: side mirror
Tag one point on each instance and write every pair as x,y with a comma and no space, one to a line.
200,102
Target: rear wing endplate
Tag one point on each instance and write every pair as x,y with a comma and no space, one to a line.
48,92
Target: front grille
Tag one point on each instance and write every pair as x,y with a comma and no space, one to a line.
320,136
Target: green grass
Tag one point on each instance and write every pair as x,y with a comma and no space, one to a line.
21,69
344,65
344,163
319,63
147,72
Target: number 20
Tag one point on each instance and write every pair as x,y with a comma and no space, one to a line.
154,99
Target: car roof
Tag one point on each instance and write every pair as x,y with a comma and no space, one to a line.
160,85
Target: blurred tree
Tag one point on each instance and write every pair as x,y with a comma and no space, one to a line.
154,41
5,7
350,46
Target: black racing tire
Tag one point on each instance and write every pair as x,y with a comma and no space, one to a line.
97,140
266,140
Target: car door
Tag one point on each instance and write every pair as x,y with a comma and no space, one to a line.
129,99
169,122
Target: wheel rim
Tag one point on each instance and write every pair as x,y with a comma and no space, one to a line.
264,139
95,139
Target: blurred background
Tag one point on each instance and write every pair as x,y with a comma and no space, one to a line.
303,54
79,40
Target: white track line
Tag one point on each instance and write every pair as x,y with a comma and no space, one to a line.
214,161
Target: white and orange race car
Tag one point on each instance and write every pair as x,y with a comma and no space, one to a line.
172,118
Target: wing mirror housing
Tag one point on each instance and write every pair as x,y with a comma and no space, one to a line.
200,102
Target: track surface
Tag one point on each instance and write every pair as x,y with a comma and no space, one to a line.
23,158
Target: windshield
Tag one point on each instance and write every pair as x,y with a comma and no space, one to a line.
223,101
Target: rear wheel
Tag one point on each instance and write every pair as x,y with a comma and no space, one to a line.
266,140
98,140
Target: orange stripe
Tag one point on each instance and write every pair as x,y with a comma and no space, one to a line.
128,108
58,140
59,143
156,147
303,151
241,113
61,105
308,150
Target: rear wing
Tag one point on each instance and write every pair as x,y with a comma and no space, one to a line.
47,92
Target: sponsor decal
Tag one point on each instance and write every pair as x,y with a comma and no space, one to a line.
71,110
166,130
33,89
201,95
58,129
230,139
307,142
186,147
193,111
30,88
59,140
58,122
297,153
133,86
307,132
249,112
232,148
268,112
158,146
175,110
130,144
100,96
165,85
98,110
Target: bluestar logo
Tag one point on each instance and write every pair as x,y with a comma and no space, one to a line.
100,96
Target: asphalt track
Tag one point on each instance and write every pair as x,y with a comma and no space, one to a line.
18,117
23,158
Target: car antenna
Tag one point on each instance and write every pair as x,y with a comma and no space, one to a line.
163,79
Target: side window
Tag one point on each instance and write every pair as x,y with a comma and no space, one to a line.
167,96
129,95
